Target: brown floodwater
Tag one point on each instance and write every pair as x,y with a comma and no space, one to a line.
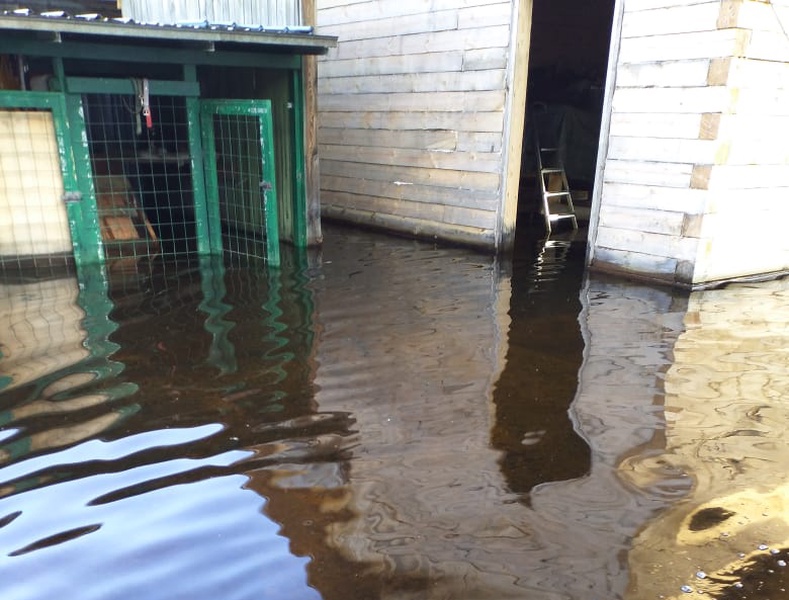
388,419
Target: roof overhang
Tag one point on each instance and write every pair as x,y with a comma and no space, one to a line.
205,37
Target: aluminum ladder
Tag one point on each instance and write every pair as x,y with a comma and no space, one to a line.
557,201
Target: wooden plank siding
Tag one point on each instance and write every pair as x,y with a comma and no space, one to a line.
699,111
412,113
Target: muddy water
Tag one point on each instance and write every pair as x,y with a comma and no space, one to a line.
391,420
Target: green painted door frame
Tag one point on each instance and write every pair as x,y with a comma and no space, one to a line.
78,192
261,109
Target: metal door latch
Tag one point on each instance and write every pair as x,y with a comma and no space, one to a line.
72,197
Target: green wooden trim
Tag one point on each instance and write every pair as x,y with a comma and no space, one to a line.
145,54
270,206
299,233
104,85
211,192
60,74
190,73
206,242
88,224
20,99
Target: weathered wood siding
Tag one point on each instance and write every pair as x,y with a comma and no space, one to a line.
697,159
412,114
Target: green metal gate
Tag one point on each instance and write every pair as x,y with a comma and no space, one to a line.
238,144
77,190
234,185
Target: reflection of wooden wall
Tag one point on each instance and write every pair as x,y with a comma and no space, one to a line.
726,431
33,217
40,330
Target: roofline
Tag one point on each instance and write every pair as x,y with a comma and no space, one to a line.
308,43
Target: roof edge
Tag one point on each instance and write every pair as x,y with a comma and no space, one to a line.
93,25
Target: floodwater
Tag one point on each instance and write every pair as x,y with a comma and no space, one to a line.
388,419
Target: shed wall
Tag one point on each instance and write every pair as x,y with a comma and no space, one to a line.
412,115
696,155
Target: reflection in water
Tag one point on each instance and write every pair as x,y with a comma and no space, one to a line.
544,349
727,417
387,420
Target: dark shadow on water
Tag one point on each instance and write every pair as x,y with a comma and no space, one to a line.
545,352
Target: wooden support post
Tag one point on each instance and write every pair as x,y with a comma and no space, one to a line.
309,74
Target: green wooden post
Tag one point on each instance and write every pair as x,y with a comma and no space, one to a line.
207,223
269,192
299,234
88,225
211,191
60,74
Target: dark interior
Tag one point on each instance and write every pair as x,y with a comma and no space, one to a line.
568,58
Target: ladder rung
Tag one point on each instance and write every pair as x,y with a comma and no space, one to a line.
551,170
549,149
556,194
556,217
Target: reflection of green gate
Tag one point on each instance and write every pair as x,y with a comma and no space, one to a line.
240,181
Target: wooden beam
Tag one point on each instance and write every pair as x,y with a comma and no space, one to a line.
105,85
515,119
311,162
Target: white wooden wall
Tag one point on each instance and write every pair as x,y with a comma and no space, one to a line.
411,114
697,158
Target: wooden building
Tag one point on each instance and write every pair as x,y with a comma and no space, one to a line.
672,115
124,140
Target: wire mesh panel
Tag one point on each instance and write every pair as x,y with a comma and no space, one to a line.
33,220
142,175
240,175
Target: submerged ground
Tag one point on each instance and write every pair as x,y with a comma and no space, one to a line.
389,419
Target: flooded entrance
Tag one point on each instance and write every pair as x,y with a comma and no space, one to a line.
390,420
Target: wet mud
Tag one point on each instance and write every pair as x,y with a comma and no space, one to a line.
390,419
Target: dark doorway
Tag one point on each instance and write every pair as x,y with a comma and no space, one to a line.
568,59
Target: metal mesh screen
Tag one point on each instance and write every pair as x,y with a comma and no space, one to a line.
241,184
142,176
33,221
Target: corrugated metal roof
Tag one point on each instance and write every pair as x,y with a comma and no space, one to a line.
60,22
266,13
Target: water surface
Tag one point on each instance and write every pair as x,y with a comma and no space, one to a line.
390,419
